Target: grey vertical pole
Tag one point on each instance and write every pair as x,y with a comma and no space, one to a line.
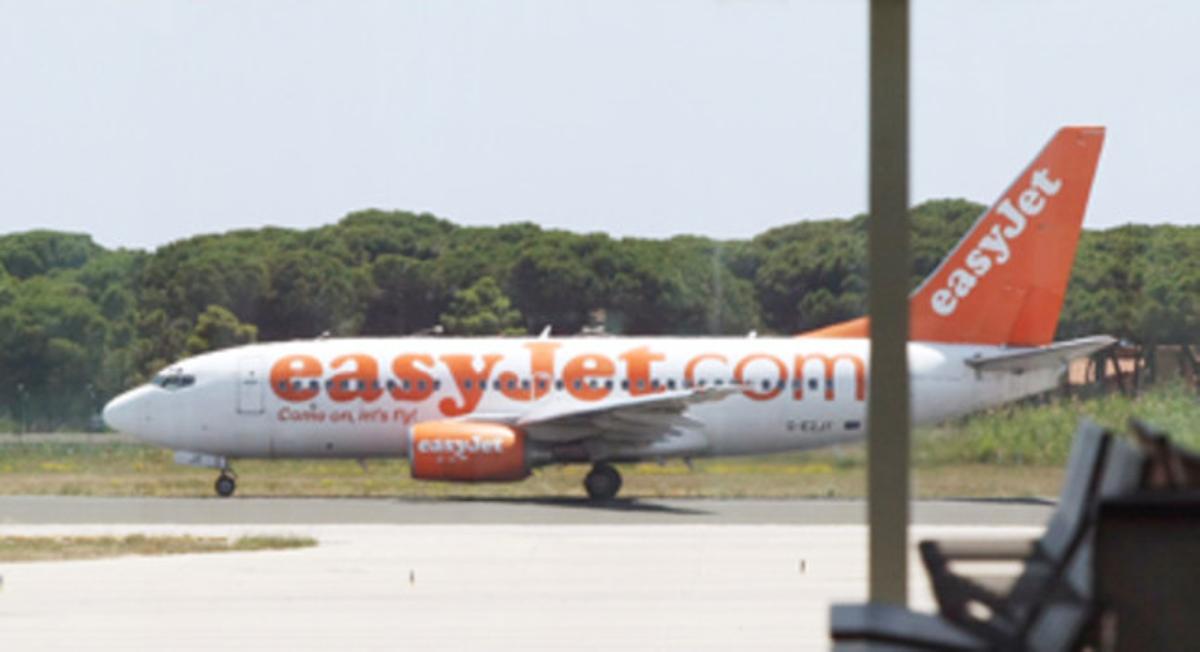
889,270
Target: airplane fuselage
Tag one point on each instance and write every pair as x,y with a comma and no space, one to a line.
360,398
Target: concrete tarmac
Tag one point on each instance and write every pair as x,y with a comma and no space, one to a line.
546,511
456,587
548,574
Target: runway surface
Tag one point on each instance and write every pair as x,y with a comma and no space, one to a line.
455,587
547,511
548,574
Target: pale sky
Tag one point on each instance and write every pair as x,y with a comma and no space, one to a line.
145,122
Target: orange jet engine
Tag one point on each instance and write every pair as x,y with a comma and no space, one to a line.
463,451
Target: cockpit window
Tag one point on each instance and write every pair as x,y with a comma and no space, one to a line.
174,381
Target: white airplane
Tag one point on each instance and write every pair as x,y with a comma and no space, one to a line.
491,409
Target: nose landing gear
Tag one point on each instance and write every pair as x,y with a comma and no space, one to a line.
226,483
602,482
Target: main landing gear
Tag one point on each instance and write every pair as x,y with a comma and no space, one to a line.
602,482
226,483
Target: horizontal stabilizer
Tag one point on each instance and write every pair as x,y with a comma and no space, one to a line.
1042,357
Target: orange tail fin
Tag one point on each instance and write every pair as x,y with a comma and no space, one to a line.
1004,282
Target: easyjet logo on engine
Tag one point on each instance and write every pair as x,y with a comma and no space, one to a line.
993,247
462,449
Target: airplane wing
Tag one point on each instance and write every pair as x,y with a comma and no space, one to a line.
1042,357
632,420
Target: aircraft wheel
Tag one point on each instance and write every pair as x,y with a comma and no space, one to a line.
225,486
602,482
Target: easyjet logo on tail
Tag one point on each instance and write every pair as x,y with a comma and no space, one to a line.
1016,281
993,247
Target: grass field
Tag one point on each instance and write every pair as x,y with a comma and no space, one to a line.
24,548
1017,451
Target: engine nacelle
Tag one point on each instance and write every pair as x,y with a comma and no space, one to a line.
463,451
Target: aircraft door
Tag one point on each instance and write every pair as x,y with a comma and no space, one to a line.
250,386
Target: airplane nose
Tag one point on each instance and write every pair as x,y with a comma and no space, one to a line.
121,413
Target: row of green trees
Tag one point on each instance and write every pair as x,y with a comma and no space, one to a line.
80,323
